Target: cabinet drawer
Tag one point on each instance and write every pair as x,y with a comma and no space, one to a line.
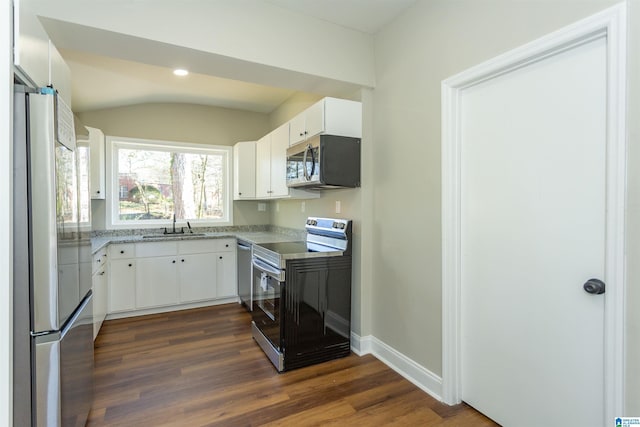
197,246
224,245
153,249
99,259
122,250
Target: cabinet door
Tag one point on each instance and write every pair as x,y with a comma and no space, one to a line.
100,299
122,285
314,119
297,129
263,167
96,153
244,170
279,145
197,277
156,281
226,271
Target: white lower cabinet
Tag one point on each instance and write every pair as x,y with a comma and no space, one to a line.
156,280
196,275
99,286
226,284
165,274
122,285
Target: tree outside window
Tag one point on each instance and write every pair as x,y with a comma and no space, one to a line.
156,181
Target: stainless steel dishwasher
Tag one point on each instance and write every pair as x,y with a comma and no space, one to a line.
245,288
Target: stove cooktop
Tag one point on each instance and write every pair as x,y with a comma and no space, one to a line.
288,248
276,254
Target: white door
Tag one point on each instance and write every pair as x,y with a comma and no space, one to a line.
533,180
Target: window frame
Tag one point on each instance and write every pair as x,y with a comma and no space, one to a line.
113,143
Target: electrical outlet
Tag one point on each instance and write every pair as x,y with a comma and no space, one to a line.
338,206
303,207
262,207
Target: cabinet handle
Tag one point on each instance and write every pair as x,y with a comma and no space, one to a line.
220,257
227,245
174,261
239,194
130,265
98,260
301,133
97,191
102,273
182,260
305,132
121,252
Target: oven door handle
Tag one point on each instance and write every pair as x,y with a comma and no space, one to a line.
266,268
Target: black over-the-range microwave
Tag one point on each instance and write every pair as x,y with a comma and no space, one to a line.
324,161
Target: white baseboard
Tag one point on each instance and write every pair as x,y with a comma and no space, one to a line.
165,309
417,374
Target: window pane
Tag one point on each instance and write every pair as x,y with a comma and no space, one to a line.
155,185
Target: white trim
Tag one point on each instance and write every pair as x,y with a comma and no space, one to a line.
611,23
360,345
417,374
113,142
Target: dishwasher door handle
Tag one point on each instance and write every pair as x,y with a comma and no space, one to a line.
243,247
266,268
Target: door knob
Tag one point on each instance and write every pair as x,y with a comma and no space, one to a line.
594,286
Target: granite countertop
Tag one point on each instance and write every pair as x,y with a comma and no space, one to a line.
99,242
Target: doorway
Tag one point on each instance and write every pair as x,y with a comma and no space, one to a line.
533,209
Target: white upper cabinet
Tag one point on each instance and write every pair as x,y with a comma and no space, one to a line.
279,145
271,168
97,172
330,116
263,167
244,170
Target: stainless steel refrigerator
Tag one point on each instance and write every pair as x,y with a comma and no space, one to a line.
53,319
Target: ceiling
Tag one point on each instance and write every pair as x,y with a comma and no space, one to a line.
122,81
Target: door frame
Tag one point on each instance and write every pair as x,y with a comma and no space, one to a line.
610,23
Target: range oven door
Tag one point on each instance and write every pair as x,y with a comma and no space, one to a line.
268,284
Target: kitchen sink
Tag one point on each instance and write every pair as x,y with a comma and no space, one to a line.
169,236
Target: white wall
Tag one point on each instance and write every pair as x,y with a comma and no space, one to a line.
433,40
183,123
6,259
241,35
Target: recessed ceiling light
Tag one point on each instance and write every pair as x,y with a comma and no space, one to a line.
180,72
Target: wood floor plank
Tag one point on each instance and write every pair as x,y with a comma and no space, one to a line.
201,367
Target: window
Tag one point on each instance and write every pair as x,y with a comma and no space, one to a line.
151,181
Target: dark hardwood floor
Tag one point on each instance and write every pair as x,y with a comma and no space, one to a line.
202,368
